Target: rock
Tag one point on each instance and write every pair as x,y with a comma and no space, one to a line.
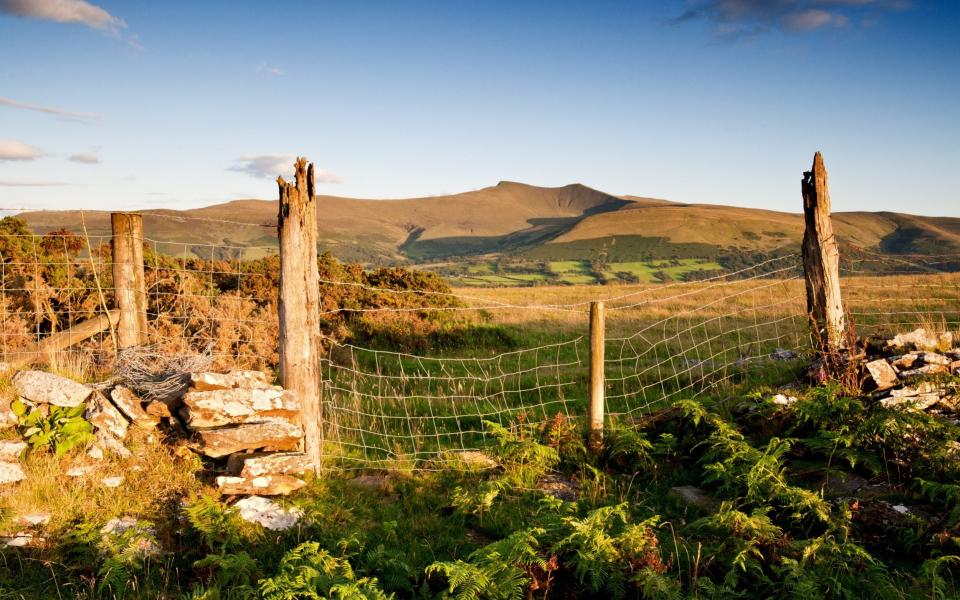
266,512
559,487
925,370
924,387
783,354
843,485
694,496
784,400
113,481
107,443
933,358
105,416
374,483
158,410
46,388
216,408
129,404
921,339
17,540
12,449
905,361
7,417
264,485
255,380
80,471
921,402
95,452
118,526
273,436
954,367
11,472
277,463
32,519
881,374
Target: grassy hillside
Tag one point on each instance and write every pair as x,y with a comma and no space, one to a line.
572,222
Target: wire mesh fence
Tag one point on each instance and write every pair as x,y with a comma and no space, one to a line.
393,388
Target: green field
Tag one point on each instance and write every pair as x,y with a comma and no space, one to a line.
577,272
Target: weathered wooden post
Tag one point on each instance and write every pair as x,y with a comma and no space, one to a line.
129,283
821,261
299,304
597,386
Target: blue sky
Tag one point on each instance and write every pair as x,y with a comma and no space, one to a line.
108,104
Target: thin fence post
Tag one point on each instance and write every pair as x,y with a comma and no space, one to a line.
821,261
299,304
129,283
597,385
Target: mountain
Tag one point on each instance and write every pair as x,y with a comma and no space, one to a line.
514,219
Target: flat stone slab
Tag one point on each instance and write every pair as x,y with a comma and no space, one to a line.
131,406
266,512
11,472
925,370
273,436
216,408
264,485
207,381
277,463
46,388
104,416
882,374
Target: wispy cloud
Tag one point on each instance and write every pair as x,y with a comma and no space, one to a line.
85,158
64,11
50,110
268,70
736,19
15,150
7,183
268,166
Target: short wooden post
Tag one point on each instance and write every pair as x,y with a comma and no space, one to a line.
597,386
129,283
299,304
821,261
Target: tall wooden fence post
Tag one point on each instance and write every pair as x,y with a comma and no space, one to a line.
299,304
597,386
821,261
130,289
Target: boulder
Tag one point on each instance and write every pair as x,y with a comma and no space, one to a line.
905,361
256,380
266,512
924,387
264,485
130,405
159,410
104,416
273,436
32,519
12,449
954,367
881,374
784,400
11,472
41,387
276,463
216,408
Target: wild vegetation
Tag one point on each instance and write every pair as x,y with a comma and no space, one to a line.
730,493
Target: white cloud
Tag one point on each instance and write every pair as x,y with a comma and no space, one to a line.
809,20
17,150
69,114
7,183
269,166
85,158
64,11
268,70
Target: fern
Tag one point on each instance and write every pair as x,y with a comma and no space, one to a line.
308,571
